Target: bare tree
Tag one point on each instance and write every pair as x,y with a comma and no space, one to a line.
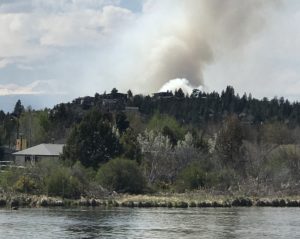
156,149
162,161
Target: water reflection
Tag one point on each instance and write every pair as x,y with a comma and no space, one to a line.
98,222
151,223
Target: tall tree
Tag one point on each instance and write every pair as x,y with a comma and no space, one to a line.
122,122
179,93
114,92
1,150
92,142
229,142
130,146
19,109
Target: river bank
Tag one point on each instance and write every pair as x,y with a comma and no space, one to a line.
146,201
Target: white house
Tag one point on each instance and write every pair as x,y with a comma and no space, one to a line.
37,153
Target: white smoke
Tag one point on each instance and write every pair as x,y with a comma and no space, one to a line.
177,84
175,39
100,44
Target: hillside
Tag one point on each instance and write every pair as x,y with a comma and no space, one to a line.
175,142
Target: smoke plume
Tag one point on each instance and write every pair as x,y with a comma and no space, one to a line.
176,84
175,39
88,46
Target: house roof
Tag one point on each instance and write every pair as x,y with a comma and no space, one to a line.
43,150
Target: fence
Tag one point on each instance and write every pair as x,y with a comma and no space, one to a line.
8,164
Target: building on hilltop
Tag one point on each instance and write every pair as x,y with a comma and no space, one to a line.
163,95
132,109
113,101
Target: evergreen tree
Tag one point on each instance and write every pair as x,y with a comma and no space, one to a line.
179,93
19,109
130,146
1,150
122,122
129,93
92,142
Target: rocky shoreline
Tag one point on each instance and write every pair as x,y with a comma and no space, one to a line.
14,202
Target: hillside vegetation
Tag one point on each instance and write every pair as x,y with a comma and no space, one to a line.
168,142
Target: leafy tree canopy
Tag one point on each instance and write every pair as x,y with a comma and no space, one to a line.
168,126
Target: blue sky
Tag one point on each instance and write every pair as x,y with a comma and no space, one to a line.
54,51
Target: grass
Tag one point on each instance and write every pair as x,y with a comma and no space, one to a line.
192,199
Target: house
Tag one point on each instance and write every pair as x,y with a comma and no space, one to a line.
37,153
115,96
163,95
130,109
113,102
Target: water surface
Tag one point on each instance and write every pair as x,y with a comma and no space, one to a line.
151,223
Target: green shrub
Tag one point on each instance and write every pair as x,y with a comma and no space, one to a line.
61,183
121,175
25,185
8,178
49,177
195,177
226,178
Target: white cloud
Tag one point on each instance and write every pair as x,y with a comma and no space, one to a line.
31,35
4,63
84,46
34,88
82,28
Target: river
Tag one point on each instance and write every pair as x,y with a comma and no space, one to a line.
150,223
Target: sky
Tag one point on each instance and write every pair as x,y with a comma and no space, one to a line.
53,51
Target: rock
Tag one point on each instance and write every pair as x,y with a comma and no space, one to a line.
242,202
181,204
226,203
264,203
218,204
205,204
282,203
44,202
84,202
128,204
93,202
2,202
275,203
162,204
57,203
146,204
292,203
14,203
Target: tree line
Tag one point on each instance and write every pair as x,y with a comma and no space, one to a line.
175,143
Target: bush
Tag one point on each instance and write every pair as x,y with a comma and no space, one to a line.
121,175
49,177
25,185
61,183
226,179
195,177
9,177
